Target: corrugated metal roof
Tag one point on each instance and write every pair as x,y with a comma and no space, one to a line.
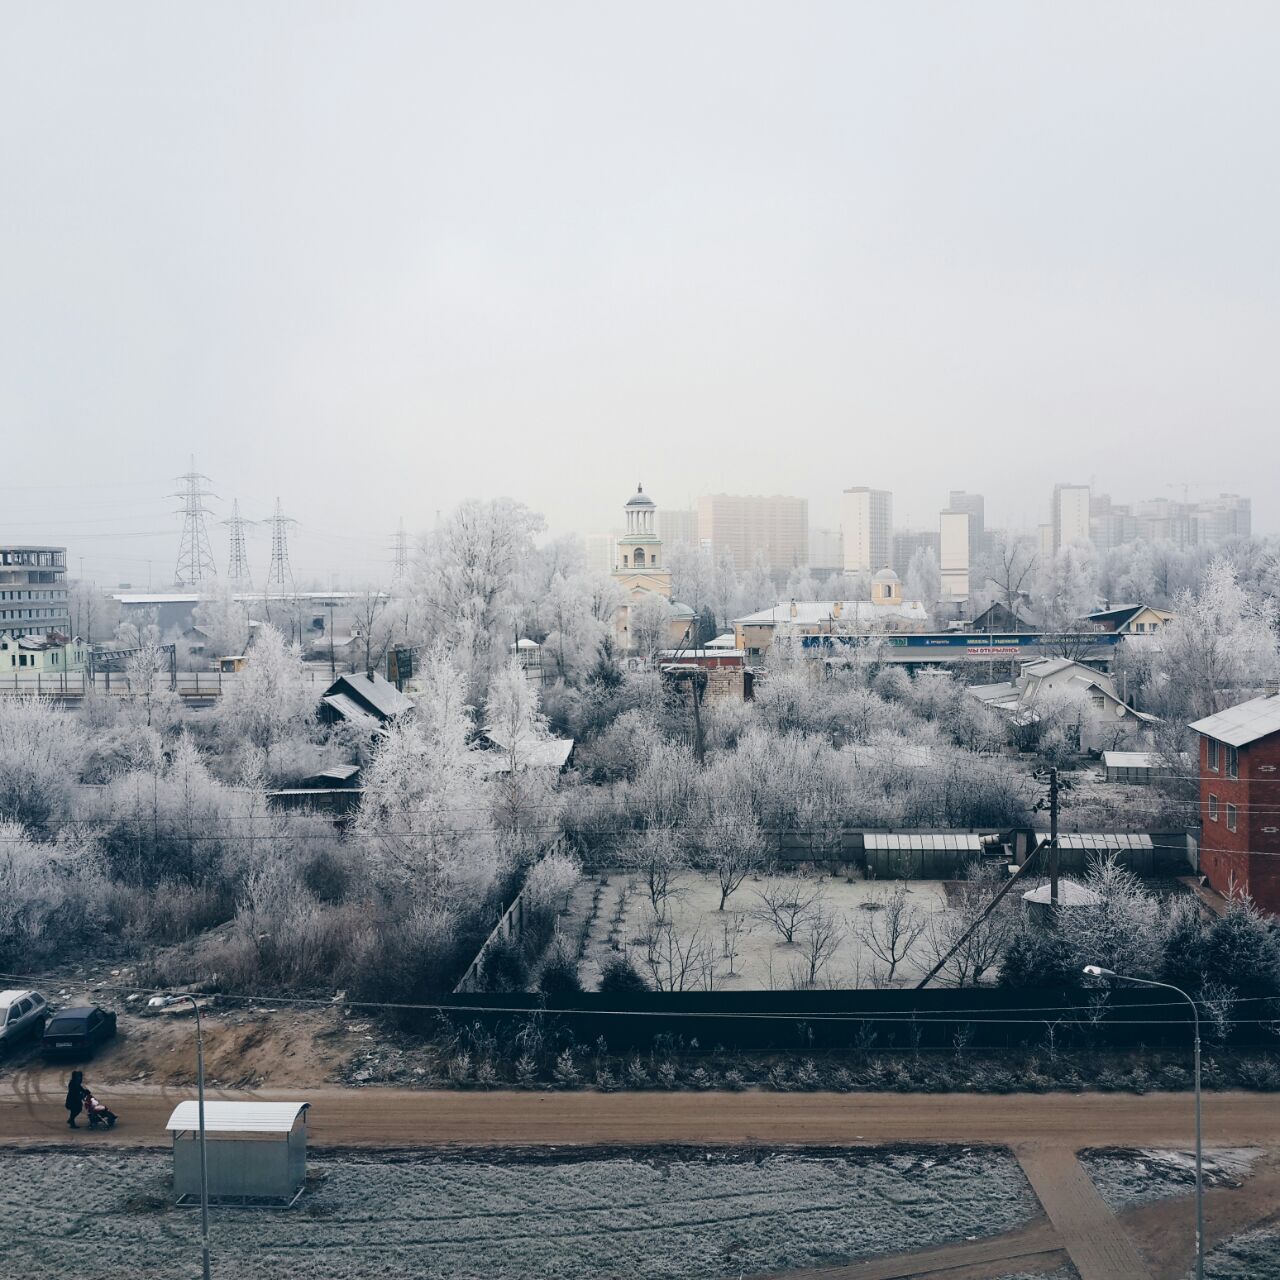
879,841
237,1117
1104,840
1239,725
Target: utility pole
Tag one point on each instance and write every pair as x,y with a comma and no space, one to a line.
1053,839
332,668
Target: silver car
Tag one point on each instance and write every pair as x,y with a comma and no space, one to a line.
22,1013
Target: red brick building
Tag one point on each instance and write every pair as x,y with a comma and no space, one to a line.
1240,800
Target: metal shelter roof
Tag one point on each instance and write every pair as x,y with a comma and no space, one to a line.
1247,722
961,843
1104,840
237,1117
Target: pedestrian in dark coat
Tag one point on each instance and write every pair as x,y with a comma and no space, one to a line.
76,1094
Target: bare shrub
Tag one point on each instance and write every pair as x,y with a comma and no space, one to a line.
785,904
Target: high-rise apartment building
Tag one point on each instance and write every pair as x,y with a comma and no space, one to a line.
826,551
678,528
1185,524
866,525
974,505
602,552
33,590
1070,515
905,544
953,556
749,526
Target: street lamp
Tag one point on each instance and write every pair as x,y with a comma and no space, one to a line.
1097,971
204,1164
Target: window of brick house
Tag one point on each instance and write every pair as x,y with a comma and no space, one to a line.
1213,808
1211,749
1233,763
1231,817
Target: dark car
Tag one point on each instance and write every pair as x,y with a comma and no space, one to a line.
73,1033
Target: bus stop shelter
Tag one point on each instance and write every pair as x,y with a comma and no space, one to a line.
257,1152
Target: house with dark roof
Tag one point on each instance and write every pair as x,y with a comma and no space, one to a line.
1240,800
999,617
363,699
1129,619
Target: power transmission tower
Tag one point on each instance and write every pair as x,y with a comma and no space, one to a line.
279,574
195,558
238,568
400,545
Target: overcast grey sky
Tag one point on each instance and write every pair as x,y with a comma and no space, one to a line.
377,257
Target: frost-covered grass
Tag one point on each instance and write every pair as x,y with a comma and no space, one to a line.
1245,1257
654,1215
1126,1176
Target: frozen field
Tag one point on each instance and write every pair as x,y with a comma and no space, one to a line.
761,959
1128,1176
655,1215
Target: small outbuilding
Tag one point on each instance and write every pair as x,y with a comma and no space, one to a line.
257,1152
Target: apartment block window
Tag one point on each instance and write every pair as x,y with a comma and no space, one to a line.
1233,763
1212,751
1213,808
1231,817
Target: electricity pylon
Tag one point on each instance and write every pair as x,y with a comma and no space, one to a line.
400,548
279,574
238,567
195,558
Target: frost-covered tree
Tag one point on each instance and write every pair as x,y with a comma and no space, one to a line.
423,819
1009,568
147,669
731,841
373,624
1120,928
225,620
466,579
693,574
1066,588
523,791
269,700
725,589
924,578
890,928
41,753
1219,648
757,590
649,624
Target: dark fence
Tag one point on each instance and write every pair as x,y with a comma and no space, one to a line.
818,1021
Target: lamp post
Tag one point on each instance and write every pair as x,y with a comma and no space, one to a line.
1097,971
204,1164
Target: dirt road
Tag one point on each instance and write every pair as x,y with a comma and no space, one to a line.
31,1113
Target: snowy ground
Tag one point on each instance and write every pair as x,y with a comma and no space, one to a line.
1126,1176
761,959
654,1215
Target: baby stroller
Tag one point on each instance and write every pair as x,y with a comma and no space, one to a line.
99,1114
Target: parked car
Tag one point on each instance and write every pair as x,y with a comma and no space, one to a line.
22,1014
74,1033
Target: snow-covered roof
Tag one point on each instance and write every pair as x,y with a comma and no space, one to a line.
879,841
809,612
1244,723
725,641
1070,894
368,686
237,1117
1099,841
540,753
351,711
1130,759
